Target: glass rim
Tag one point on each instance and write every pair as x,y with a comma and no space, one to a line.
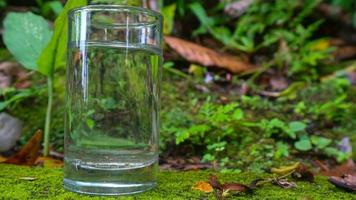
90,8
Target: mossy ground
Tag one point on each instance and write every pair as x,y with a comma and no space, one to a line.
171,185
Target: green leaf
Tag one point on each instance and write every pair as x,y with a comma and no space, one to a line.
282,150
54,55
303,144
238,114
2,4
217,146
55,6
339,155
168,13
223,34
90,123
199,11
25,36
320,142
297,126
181,136
208,158
276,123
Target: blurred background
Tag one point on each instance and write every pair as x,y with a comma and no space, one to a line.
247,83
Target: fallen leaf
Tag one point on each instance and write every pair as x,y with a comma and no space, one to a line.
27,178
284,183
303,173
347,182
213,180
29,153
345,52
198,166
203,186
285,169
11,73
49,162
207,57
346,168
2,159
222,190
321,165
234,187
257,182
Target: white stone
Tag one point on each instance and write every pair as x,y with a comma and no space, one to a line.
10,131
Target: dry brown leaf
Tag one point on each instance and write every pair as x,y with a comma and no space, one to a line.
2,159
347,168
12,74
284,183
49,162
235,187
203,186
302,173
29,153
345,52
204,56
214,181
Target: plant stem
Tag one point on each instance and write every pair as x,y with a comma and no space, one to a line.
48,115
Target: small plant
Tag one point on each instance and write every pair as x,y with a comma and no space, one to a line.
276,24
29,48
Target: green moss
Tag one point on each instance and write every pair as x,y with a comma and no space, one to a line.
171,185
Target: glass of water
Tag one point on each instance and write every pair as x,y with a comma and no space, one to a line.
112,100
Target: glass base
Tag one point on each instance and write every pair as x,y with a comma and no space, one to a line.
106,189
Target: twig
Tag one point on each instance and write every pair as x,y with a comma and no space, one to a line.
275,178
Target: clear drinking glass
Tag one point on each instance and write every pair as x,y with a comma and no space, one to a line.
112,100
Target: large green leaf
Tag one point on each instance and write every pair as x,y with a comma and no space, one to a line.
25,36
54,55
303,144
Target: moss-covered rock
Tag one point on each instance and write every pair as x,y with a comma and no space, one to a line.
171,185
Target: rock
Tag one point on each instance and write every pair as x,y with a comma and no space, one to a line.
10,131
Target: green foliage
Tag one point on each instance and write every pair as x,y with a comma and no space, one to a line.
333,152
277,25
282,150
3,4
25,36
54,55
303,144
320,142
267,130
48,8
168,13
329,101
276,126
12,97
